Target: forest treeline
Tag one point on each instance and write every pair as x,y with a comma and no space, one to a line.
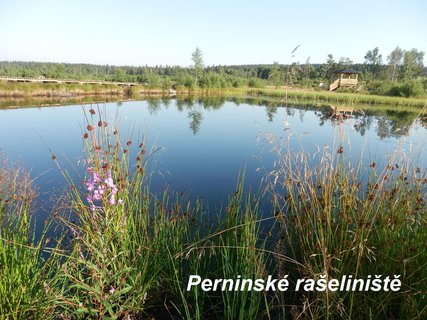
401,73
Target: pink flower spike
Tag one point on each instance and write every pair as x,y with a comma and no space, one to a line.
96,177
97,195
110,183
112,199
90,185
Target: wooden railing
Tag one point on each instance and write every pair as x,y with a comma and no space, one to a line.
50,80
342,82
334,85
348,82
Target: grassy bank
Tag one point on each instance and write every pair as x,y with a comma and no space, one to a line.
17,89
338,97
12,89
8,89
125,252
30,101
64,90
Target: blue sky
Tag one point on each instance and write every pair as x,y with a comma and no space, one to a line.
161,32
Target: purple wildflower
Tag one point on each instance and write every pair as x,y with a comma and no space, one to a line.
97,195
90,185
112,199
97,187
96,177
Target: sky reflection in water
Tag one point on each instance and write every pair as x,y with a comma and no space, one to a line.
203,144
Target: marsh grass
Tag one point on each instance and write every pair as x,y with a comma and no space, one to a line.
18,89
235,247
339,217
337,97
25,269
132,251
111,266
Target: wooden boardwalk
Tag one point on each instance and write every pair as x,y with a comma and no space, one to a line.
49,80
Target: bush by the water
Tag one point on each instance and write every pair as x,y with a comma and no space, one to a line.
411,88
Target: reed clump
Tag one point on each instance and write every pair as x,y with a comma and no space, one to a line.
339,217
25,271
318,96
131,251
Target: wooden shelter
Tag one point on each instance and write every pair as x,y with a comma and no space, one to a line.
344,78
342,112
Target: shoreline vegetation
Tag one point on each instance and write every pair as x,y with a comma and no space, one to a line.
402,81
109,92
122,252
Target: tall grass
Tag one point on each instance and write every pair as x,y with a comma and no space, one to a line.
132,251
337,97
340,218
114,262
25,270
18,89
234,248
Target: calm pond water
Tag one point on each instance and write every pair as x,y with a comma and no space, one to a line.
202,144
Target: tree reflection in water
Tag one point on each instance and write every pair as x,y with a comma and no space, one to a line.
387,121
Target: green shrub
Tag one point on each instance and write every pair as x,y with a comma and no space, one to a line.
412,88
238,82
379,87
255,83
186,81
